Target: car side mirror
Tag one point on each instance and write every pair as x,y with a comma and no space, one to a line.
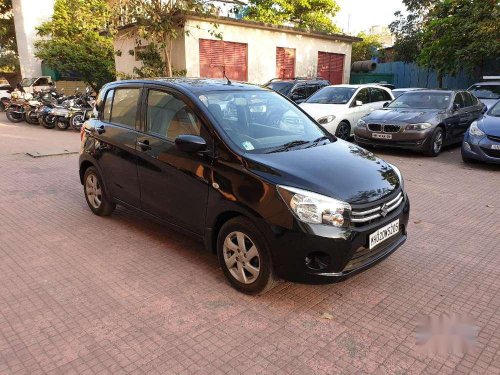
190,143
358,103
386,104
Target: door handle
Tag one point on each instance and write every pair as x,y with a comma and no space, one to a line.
144,145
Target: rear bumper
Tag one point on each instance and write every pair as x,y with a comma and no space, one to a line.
345,251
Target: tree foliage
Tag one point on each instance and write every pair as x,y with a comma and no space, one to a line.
309,15
448,35
367,48
159,22
71,41
9,61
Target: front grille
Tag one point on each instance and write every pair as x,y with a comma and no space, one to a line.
491,153
368,215
391,128
375,127
493,138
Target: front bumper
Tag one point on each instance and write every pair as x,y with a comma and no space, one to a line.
345,250
479,148
412,140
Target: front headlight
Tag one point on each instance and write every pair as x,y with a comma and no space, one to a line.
423,126
400,176
361,123
474,130
315,208
326,119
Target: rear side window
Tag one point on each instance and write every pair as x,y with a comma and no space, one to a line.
379,95
363,95
300,92
467,99
108,102
124,109
458,100
169,117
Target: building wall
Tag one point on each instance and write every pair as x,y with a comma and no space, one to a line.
27,17
262,49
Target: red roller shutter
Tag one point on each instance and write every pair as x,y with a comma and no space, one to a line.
217,56
285,62
331,67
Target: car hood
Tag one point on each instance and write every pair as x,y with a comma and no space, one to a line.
488,102
340,170
402,115
316,110
490,125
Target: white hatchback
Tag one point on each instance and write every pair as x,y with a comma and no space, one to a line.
339,107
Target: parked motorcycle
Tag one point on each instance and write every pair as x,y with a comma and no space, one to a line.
82,110
16,108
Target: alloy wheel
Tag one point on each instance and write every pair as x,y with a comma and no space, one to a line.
438,142
241,257
343,131
93,191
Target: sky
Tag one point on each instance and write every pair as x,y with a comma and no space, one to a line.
366,13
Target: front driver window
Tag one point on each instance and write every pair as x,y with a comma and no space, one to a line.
169,117
458,101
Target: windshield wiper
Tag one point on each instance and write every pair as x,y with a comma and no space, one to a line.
288,146
317,140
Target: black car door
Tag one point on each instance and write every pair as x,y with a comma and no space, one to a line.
116,134
459,118
470,112
173,184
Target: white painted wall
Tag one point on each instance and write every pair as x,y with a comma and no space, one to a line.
28,14
262,45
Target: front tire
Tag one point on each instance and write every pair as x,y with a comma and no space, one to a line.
12,116
76,121
95,193
62,125
48,121
245,257
436,143
343,131
31,118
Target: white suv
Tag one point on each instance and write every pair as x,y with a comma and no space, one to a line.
338,108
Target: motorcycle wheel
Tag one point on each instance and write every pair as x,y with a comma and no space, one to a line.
31,117
14,116
62,125
48,121
76,121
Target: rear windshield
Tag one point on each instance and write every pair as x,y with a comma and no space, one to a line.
485,91
281,87
332,95
422,100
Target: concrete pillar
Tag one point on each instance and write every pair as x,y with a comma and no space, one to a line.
28,14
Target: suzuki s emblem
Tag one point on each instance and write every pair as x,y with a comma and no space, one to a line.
383,210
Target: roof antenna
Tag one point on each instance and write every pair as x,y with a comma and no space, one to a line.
225,75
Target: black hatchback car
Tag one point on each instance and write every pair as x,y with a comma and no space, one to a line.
297,89
246,171
421,120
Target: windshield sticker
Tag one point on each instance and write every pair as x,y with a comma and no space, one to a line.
247,146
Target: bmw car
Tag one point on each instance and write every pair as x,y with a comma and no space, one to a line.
482,140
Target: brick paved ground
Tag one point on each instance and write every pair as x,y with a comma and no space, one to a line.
84,294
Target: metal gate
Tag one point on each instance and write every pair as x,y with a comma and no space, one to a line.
218,57
285,62
331,67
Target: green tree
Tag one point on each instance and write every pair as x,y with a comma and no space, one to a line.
72,41
460,34
309,15
9,61
367,48
159,22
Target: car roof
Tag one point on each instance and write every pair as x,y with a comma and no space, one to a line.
409,89
424,91
356,86
196,85
486,83
319,79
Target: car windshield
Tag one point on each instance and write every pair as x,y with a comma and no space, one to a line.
281,87
422,100
332,95
26,82
495,110
262,121
485,91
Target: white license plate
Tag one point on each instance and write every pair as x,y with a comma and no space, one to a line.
381,136
384,233
495,147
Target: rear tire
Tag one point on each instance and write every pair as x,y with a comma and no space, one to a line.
436,143
343,131
48,121
30,118
95,193
62,125
245,256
